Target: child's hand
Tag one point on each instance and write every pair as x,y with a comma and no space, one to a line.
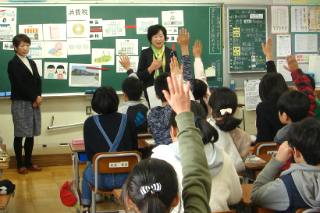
156,64
183,38
178,98
124,61
197,49
292,63
284,153
174,66
267,49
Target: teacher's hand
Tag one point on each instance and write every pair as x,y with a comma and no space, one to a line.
35,104
39,100
155,65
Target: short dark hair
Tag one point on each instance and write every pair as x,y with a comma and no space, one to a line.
160,83
20,37
133,88
154,29
199,91
305,137
272,86
208,132
223,98
312,82
105,100
146,173
295,104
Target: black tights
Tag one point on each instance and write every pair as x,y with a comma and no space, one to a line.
28,147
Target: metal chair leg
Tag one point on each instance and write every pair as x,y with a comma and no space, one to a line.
93,203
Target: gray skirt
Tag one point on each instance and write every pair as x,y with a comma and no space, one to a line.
26,119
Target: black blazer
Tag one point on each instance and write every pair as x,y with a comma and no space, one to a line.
24,85
146,59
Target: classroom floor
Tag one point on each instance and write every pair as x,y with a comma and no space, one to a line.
39,192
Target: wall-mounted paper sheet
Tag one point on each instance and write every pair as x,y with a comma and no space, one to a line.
78,46
172,38
279,19
303,57
252,98
8,15
173,18
285,73
283,45
78,12
102,56
95,36
55,49
95,22
314,19
142,24
299,19
77,29
304,66
112,28
127,46
39,66
33,31
172,30
57,32
36,50
55,70
134,60
83,75
306,43
7,46
314,62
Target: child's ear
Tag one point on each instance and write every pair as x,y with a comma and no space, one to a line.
176,200
286,117
296,153
125,95
173,132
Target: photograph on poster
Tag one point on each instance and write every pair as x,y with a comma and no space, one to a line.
55,70
142,24
78,12
127,46
84,75
54,32
57,49
77,29
102,56
114,28
78,46
39,66
34,32
173,18
134,60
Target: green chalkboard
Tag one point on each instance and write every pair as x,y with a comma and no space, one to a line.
247,30
199,19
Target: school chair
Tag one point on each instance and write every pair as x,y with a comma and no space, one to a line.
225,212
111,162
4,201
305,210
265,148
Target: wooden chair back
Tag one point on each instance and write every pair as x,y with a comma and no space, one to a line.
265,148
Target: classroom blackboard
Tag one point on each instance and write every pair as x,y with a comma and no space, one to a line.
203,21
247,29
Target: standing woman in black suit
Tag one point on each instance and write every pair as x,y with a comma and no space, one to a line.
155,59
26,100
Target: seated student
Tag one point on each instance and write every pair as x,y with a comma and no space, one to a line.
271,87
225,189
135,106
107,132
235,142
297,187
152,185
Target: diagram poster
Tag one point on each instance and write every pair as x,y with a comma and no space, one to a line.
127,46
78,12
57,49
77,29
113,28
142,24
102,56
34,32
134,60
173,18
78,46
84,75
36,50
55,32
55,70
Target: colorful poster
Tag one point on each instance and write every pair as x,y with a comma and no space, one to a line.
78,12
102,56
303,57
7,32
142,24
279,19
8,15
173,18
78,46
112,28
127,46
134,60
36,50
34,32
84,75
55,70
314,19
77,29
57,49
299,19
57,32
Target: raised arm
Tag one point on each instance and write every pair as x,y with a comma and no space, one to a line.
267,50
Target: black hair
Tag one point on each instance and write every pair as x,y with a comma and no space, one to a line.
133,88
272,86
146,173
20,37
312,82
199,91
154,29
224,98
60,67
105,100
208,132
295,104
50,66
160,83
305,137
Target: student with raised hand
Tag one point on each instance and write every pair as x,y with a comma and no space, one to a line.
297,187
135,106
147,190
235,142
225,189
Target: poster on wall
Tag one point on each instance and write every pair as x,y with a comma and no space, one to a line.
173,18
314,19
33,31
114,28
279,19
77,29
134,60
54,32
39,66
78,46
78,12
36,50
56,49
127,46
102,56
84,75
142,24
55,70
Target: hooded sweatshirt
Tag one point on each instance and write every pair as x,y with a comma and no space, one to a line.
272,194
226,189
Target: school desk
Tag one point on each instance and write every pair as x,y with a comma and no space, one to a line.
252,169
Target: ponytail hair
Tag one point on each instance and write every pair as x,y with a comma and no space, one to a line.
148,173
208,132
223,102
